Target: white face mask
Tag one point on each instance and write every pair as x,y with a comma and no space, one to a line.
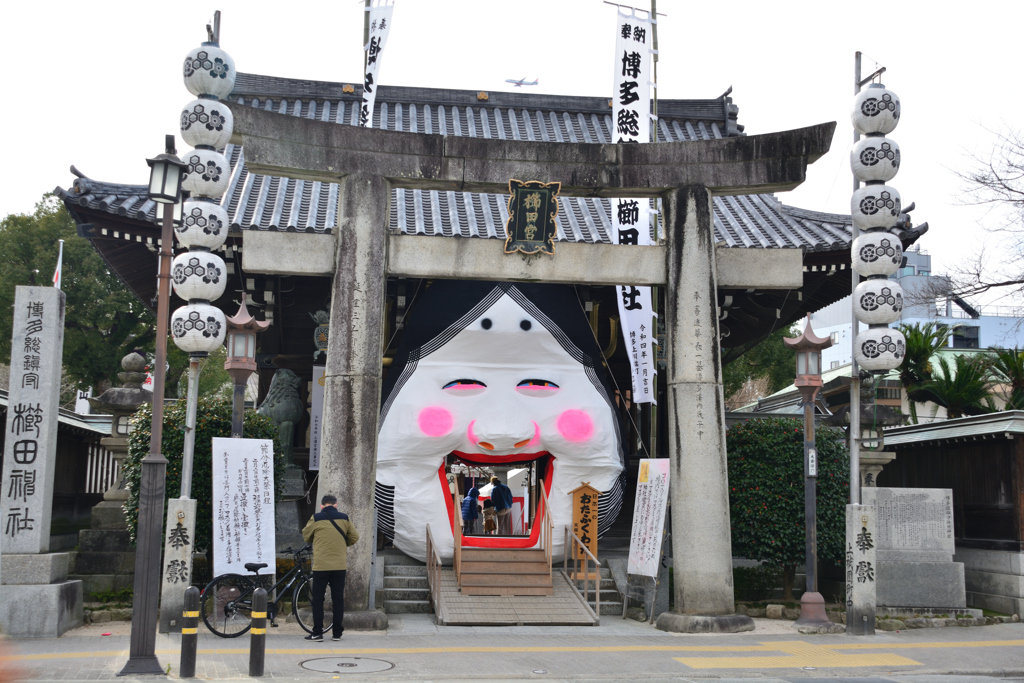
502,390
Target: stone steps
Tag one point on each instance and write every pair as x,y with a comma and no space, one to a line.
405,589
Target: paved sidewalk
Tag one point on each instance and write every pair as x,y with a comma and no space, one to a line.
414,648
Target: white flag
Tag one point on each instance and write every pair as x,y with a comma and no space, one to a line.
60,263
631,123
380,27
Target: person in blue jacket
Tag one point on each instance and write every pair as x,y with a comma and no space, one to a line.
502,497
469,510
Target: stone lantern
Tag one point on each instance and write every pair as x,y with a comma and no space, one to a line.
121,403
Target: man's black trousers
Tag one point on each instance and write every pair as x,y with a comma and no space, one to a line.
336,580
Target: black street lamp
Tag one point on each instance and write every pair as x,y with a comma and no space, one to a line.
165,189
808,347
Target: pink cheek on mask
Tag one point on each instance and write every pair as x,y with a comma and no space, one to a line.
575,425
435,421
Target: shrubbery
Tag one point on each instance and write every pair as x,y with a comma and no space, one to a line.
766,493
213,418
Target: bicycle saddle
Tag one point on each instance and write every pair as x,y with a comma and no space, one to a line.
254,566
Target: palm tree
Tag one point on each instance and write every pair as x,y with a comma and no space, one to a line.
963,391
1007,368
923,342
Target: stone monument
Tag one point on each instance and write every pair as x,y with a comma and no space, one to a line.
915,569
105,559
861,558
36,597
285,408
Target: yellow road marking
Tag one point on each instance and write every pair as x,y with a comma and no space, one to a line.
798,654
792,648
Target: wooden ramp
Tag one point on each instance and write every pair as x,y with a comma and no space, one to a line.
564,607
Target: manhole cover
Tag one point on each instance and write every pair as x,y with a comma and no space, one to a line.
346,665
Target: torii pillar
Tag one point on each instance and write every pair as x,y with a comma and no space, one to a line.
369,162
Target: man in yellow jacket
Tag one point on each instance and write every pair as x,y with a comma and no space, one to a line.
331,533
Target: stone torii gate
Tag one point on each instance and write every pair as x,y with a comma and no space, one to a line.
362,253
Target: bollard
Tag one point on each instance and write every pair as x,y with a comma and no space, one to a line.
189,635
258,641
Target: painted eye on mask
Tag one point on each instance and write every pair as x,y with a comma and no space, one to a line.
537,387
464,387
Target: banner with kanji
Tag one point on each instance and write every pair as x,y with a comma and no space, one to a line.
648,517
380,27
631,123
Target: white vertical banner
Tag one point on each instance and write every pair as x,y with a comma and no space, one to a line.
631,123
243,505
631,97
316,417
380,27
648,517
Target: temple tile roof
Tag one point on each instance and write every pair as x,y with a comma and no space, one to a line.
257,202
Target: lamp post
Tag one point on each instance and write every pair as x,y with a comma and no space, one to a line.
241,361
808,347
165,189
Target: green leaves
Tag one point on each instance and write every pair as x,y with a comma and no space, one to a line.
103,321
766,491
213,418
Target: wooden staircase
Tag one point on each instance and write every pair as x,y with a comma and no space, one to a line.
487,571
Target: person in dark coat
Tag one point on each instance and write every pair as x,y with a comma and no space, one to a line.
502,497
469,510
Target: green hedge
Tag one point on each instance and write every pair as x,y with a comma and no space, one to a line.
213,418
766,491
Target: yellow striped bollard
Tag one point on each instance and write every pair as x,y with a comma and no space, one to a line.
189,635
258,641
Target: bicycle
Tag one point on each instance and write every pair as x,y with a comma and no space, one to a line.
226,602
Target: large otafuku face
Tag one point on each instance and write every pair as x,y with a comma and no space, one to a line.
502,385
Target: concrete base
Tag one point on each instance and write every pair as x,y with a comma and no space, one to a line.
910,612
370,620
812,612
288,526
994,579
108,515
698,623
921,584
44,568
46,611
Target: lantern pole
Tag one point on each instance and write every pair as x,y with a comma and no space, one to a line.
190,424
241,360
808,347
142,650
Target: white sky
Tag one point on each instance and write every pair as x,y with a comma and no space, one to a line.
98,84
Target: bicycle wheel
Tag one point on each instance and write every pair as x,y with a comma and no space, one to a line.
302,606
226,604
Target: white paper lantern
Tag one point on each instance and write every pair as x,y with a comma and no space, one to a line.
209,70
874,158
206,122
876,253
206,173
875,206
875,110
198,275
203,224
878,301
879,348
198,327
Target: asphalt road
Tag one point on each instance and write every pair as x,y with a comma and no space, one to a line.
414,648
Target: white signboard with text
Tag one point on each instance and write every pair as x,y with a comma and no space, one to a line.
316,418
243,505
648,517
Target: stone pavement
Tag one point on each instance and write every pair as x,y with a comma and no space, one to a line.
414,648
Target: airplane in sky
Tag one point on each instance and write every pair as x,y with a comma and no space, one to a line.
522,81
